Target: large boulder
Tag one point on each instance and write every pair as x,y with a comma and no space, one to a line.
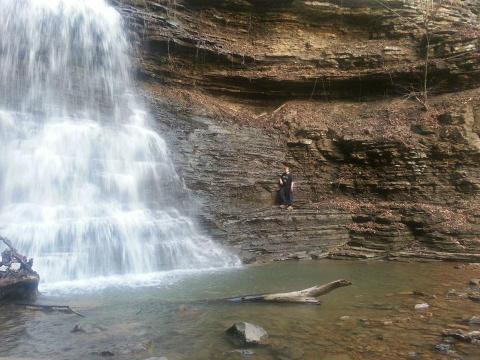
246,334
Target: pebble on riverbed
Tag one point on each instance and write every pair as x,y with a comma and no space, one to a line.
421,307
474,282
444,348
474,320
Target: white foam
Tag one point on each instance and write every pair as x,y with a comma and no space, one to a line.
97,284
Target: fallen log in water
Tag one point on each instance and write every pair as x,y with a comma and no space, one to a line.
13,253
306,296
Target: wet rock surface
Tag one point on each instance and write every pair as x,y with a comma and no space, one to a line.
328,87
350,200
232,172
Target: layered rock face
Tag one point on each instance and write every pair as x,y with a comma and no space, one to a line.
336,89
313,49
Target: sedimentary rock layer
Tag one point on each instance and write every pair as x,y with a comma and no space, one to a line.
337,90
308,49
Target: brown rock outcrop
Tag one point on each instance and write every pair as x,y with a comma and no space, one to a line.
307,49
330,87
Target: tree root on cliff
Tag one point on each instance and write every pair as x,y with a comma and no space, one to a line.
49,308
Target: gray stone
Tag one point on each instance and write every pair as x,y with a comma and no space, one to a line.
423,306
107,353
474,298
243,333
474,282
458,334
474,320
444,348
87,328
247,257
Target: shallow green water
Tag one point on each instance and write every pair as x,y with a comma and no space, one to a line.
152,321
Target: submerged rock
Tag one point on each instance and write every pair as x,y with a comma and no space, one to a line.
134,348
106,353
243,333
87,328
444,348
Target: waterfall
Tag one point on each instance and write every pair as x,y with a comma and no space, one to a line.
87,188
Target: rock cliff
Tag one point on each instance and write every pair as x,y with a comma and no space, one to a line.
336,89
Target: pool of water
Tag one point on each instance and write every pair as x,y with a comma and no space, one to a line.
372,319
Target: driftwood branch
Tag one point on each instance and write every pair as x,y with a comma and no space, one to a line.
61,308
20,258
16,282
306,296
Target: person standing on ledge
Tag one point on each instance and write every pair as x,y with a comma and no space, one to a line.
286,189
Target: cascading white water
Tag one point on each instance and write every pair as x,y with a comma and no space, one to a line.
85,183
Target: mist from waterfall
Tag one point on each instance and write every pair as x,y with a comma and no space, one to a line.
87,188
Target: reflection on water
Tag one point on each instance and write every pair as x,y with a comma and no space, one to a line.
373,319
